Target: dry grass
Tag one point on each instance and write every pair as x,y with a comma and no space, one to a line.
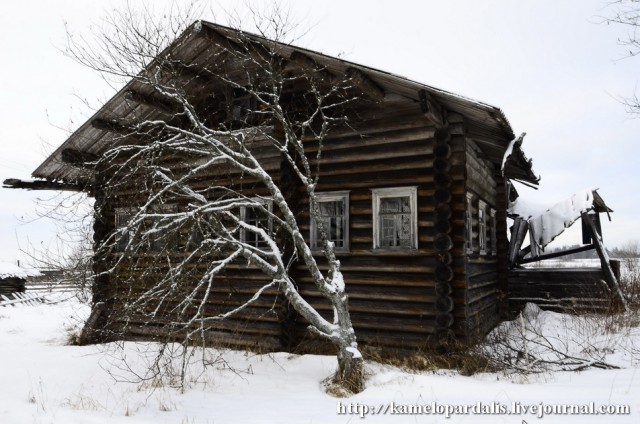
465,359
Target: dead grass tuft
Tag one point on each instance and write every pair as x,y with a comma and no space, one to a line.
465,359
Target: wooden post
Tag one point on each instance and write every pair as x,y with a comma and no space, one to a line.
520,227
609,276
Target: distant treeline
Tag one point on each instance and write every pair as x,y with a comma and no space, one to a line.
629,250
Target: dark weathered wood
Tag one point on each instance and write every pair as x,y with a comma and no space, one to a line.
41,185
77,157
90,329
308,64
430,108
365,84
159,102
443,242
518,233
557,254
567,290
441,166
442,151
610,277
113,125
11,285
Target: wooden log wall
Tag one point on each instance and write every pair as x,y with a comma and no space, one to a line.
257,327
11,285
458,174
573,290
392,295
398,299
482,289
443,243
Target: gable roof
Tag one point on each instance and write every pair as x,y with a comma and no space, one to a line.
485,124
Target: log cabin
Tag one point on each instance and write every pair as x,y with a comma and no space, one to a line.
417,188
13,279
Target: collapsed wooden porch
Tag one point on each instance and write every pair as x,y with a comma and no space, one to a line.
562,289
574,290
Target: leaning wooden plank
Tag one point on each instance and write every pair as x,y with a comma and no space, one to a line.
610,277
88,333
520,227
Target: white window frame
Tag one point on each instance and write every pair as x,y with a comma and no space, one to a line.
268,204
152,243
332,196
482,227
118,216
494,232
382,193
469,223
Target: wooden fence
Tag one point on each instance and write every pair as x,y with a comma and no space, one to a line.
30,299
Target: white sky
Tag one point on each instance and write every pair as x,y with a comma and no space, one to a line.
548,64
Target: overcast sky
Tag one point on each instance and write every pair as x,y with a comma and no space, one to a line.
549,65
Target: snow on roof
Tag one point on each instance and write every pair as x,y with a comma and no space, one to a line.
510,148
9,270
546,223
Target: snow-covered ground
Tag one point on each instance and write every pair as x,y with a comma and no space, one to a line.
44,380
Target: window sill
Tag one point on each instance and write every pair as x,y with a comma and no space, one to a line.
403,251
338,252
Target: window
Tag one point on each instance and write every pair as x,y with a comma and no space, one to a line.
334,216
468,223
482,227
494,239
164,237
151,234
123,233
257,216
395,218
241,105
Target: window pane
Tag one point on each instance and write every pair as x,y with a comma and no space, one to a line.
123,217
257,218
395,222
333,222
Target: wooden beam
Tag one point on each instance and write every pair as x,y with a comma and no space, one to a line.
153,100
365,84
609,276
307,63
77,157
254,50
40,185
557,254
112,125
431,108
520,227
220,40
202,76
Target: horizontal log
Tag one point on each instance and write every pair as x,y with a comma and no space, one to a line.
159,102
41,185
113,125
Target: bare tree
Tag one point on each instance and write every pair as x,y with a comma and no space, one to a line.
69,256
627,14
196,227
